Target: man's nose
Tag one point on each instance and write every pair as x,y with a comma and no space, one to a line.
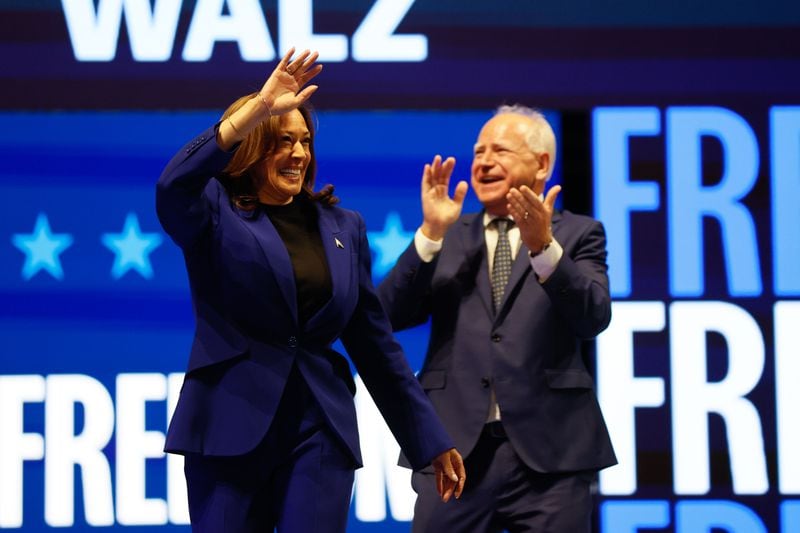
485,159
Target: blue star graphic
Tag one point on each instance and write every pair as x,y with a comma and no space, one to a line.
389,243
132,248
42,249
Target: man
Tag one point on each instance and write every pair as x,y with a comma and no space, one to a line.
510,302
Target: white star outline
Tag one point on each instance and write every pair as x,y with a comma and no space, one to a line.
132,248
42,249
389,243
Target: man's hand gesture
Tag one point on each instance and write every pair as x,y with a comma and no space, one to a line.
439,211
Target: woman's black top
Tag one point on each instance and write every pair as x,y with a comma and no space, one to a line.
298,225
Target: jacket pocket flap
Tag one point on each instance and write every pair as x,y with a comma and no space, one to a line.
433,379
569,379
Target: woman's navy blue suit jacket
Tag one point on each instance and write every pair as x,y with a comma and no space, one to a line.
248,336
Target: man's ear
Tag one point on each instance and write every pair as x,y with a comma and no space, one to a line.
543,160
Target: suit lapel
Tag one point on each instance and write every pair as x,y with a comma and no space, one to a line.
522,267
338,255
519,269
473,241
555,223
275,253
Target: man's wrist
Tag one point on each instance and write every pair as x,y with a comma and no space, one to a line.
431,232
426,248
545,262
542,249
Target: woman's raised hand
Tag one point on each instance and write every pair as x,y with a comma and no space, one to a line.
285,88
283,91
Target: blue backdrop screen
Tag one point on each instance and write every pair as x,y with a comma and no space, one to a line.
679,128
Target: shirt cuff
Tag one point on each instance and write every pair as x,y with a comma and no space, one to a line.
545,263
426,248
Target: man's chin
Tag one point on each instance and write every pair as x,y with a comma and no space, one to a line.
493,203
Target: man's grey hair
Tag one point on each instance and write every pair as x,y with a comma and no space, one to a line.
540,137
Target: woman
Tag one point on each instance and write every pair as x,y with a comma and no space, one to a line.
266,419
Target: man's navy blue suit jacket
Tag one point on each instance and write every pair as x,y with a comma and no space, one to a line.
248,336
529,351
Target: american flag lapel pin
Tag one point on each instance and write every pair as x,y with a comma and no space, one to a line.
338,243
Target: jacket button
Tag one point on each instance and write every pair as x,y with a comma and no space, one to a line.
496,338
485,383
292,342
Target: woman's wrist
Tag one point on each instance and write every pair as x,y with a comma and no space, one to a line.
265,106
235,129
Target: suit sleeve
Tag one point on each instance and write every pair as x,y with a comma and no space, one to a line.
406,291
186,198
382,365
578,288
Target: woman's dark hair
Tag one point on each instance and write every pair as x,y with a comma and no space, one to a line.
243,175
